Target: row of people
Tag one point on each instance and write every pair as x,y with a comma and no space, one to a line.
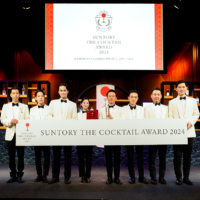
179,108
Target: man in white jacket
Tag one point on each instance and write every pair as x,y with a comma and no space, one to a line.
183,107
40,112
112,111
157,111
62,109
134,112
11,113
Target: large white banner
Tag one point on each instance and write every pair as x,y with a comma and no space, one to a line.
104,36
103,132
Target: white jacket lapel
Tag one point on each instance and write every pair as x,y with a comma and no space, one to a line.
163,112
80,115
66,109
179,108
187,106
37,113
128,113
10,110
20,110
45,111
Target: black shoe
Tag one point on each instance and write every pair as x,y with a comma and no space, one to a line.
20,180
162,181
117,180
38,179
187,181
109,181
179,181
53,180
132,181
154,181
12,179
88,180
83,179
143,180
67,181
45,179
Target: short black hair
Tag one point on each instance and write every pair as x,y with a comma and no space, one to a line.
179,82
133,91
14,88
156,89
111,90
39,91
84,98
63,84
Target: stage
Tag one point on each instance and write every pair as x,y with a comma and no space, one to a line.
98,189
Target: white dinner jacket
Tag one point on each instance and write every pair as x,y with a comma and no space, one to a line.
116,112
191,112
55,110
35,113
7,116
150,112
126,114
80,115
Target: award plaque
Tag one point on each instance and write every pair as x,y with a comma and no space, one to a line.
92,114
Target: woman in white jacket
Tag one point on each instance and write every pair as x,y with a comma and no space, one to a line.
86,151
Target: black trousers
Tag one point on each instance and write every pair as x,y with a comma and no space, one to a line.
162,150
38,155
186,150
87,151
56,161
140,161
116,150
11,145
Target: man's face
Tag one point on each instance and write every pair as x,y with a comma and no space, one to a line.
15,95
156,96
133,98
40,98
181,89
63,92
111,98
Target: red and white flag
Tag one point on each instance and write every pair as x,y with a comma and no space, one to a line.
101,91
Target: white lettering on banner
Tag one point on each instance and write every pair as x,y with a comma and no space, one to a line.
106,132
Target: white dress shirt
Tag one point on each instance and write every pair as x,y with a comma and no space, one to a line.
111,109
158,111
133,112
182,104
41,110
15,111
63,105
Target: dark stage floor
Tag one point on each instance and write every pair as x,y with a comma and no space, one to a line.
97,189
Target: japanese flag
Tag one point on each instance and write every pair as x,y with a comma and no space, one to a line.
101,91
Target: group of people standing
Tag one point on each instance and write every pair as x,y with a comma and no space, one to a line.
182,107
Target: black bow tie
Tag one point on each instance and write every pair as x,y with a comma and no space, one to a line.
131,107
84,111
157,104
184,98
63,101
111,106
41,106
15,104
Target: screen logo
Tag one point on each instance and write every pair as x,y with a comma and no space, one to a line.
103,21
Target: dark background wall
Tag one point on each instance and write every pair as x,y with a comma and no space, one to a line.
22,55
